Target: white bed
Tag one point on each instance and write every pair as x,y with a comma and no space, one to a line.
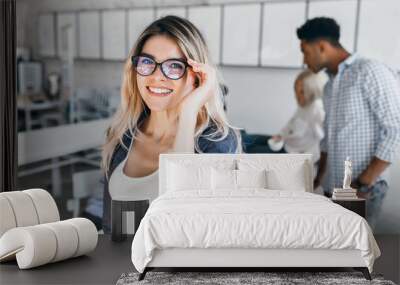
280,225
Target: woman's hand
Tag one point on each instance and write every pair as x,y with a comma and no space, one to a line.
197,97
277,138
191,104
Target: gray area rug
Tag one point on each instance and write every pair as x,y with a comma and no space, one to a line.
229,278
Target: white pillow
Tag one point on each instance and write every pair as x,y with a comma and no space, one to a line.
294,180
182,178
186,175
223,179
251,178
228,179
282,174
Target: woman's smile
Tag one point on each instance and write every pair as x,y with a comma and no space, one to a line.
159,91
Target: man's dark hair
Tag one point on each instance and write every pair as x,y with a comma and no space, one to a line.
320,28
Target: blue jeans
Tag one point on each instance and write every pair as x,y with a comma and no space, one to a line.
374,201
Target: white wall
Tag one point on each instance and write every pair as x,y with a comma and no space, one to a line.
261,99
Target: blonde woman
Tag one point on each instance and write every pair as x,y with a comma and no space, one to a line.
170,102
304,130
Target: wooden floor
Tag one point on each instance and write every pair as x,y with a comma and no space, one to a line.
103,266
389,262
110,260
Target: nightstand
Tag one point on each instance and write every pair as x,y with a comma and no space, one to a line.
358,205
117,212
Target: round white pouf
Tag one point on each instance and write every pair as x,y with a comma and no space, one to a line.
40,244
26,208
23,208
67,240
45,205
87,234
32,246
7,218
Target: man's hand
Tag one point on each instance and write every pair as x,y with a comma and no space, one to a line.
358,184
277,138
363,195
372,172
368,177
317,182
321,169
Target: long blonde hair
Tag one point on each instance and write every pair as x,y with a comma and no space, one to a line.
192,44
313,84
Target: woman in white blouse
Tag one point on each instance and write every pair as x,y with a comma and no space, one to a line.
304,130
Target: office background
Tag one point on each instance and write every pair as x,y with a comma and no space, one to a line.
253,41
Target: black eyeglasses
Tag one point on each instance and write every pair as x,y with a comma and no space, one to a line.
173,68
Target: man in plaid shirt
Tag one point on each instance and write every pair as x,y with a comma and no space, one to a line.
362,105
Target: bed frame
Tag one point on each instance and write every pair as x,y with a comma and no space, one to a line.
244,259
248,259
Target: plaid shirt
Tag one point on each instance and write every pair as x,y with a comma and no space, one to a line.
362,105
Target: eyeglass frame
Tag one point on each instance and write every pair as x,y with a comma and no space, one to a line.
159,64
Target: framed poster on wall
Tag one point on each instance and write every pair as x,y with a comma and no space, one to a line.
379,20
65,22
46,35
114,34
345,14
241,38
208,21
138,20
280,45
89,34
176,11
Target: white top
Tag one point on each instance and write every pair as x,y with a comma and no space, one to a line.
304,131
126,188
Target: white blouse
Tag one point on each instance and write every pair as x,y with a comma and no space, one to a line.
304,131
126,188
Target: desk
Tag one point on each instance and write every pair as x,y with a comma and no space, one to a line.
102,266
28,104
55,142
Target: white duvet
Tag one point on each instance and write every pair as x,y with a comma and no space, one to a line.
251,218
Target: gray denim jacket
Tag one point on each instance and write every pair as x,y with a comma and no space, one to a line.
227,145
